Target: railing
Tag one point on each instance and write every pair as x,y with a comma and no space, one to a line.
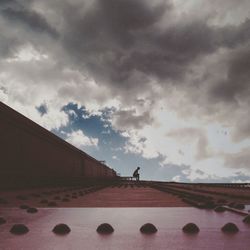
127,178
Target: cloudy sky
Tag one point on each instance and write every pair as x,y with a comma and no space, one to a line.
160,84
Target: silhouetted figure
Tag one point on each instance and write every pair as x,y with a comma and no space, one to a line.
136,174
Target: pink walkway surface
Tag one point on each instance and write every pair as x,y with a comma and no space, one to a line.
107,197
126,222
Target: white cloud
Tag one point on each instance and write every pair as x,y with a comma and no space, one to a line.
53,119
80,140
72,113
176,178
204,145
241,181
3,95
27,54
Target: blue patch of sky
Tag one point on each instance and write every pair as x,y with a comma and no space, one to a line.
95,126
42,109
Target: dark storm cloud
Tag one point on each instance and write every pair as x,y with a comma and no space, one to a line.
21,25
168,54
232,36
7,43
124,44
125,119
238,77
111,21
120,42
31,19
121,45
105,38
111,37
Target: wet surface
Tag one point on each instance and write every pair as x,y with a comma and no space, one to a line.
126,222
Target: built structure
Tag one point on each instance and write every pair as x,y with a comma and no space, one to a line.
31,155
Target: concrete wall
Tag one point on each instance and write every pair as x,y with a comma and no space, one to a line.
30,152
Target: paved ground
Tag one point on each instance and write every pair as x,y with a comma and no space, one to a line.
130,194
130,197
123,196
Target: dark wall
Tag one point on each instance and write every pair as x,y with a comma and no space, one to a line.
30,152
